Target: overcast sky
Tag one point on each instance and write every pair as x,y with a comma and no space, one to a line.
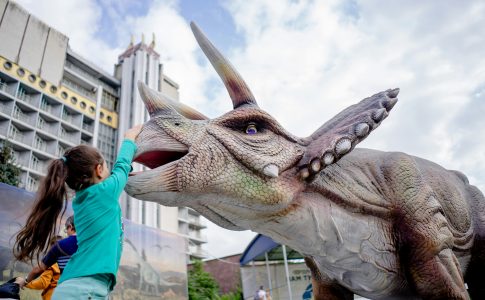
307,60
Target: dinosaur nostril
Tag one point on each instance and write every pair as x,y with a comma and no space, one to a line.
177,124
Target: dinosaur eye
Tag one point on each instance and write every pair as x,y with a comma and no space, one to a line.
251,129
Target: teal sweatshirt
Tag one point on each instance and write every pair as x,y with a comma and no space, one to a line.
99,224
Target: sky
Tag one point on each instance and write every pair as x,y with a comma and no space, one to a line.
307,60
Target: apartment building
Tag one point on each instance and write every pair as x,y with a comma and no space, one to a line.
51,99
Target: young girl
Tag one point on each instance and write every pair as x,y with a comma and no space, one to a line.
91,271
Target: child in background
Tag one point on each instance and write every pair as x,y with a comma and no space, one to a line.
47,281
91,271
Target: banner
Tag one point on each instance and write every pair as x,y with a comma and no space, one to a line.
153,265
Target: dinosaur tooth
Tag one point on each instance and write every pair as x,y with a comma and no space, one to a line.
393,93
328,158
343,146
378,115
315,165
362,129
271,170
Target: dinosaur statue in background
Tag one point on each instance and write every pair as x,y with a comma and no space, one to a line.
383,225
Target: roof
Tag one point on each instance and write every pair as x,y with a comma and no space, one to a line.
261,245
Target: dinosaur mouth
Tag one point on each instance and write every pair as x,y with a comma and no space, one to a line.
156,158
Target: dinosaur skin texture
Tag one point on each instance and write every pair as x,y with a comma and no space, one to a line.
383,225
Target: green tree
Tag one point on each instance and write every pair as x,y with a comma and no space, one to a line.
9,171
202,285
237,295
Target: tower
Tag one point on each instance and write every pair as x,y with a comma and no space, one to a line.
140,62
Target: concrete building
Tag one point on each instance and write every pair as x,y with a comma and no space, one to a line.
52,99
141,62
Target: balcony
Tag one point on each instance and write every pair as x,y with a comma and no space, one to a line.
5,108
16,135
197,236
88,127
38,165
40,144
46,126
27,98
21,116
197,222
45,106
4,87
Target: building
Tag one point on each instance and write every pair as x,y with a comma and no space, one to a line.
226,271
51,99
141,62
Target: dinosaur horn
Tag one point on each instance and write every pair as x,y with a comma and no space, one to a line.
157,103
235,85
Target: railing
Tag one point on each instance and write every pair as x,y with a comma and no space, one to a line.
47,128
197,222
39,166
68,118
94,80
197,236
79,89
46,107
3,86
88,127
40,146
68,137
4,107
19,115
184,215
16,136
26,98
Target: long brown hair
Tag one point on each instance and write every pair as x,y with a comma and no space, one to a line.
76,169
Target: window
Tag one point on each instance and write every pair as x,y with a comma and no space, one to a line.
109,101
32,78
21,72
64,95
7,65
42,83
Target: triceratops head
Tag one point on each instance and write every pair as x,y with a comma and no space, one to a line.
242,166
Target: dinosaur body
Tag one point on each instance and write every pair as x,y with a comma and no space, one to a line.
384,225
346,220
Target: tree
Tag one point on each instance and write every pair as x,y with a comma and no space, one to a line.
9,171
202,285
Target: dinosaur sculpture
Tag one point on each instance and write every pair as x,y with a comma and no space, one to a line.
384,225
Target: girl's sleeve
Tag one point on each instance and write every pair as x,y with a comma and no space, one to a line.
122,167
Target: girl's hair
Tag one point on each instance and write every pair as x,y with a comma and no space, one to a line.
75,169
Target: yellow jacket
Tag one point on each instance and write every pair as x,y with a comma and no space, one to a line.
47,281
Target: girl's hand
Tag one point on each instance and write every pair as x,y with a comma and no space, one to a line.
133,132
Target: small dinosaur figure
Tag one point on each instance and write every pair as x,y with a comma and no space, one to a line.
383,225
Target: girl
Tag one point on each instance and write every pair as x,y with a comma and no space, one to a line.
91,271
